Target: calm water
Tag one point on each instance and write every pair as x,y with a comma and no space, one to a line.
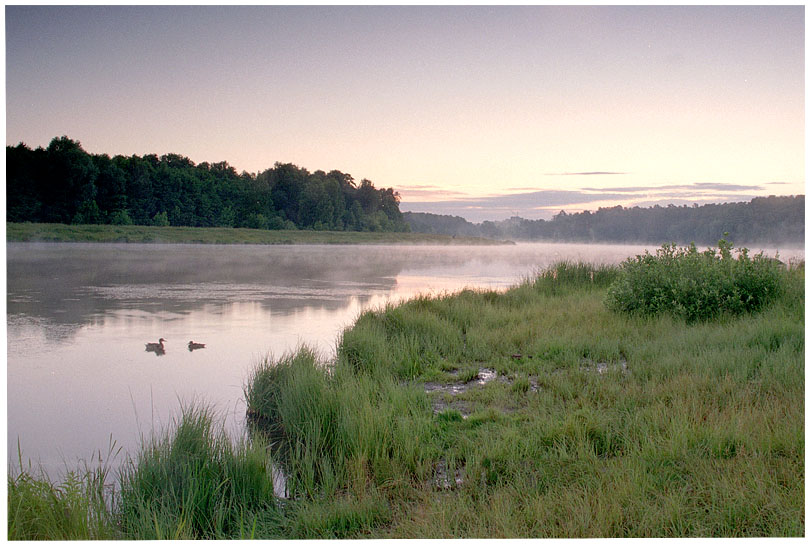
79,316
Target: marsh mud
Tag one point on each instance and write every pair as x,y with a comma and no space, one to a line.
444,392
444,395
604,367
444,479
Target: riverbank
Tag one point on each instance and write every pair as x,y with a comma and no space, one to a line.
535,412
29,232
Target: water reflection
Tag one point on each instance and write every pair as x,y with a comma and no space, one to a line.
66,286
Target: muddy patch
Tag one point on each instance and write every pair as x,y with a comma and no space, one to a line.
484,376
445,480
279,482
452,388
442,404
444,392
604,367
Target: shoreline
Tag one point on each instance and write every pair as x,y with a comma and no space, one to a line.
92,233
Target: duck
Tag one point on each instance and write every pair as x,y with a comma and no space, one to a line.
156,348
192,345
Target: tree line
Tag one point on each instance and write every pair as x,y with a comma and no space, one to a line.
774,220
64,184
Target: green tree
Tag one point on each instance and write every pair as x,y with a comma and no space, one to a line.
87,213
24,178
111,185
69,182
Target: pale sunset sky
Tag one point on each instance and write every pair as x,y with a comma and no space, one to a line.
480,112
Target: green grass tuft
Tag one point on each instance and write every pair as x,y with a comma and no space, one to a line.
193,483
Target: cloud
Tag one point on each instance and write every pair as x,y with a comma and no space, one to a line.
588,173
545,203
420,187
634,189
522,189
680,201
503,206
725,187
697,186
429,193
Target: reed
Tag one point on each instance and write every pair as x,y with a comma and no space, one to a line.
193,483
77,507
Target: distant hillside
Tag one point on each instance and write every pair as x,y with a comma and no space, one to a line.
773,220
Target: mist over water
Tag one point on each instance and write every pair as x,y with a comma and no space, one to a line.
79,316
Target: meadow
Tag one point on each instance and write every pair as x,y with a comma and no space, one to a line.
98,233
590,401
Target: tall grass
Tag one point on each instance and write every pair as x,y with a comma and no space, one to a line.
195,483
77,508
327,428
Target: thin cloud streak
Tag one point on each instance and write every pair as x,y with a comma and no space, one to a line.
697,186
430,193
589,173
726,187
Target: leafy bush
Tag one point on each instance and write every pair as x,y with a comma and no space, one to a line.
160,219
257,221
120,218
695,285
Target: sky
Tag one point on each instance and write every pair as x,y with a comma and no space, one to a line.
475,111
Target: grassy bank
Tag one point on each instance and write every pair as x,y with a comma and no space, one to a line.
27,232
537,412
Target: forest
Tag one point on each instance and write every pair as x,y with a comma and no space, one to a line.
769,220
64,184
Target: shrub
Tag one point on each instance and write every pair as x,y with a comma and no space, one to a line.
160,219
121,218
257,221
695,285
276,222
88,213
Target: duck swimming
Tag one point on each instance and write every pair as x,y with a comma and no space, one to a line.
192,345
156,348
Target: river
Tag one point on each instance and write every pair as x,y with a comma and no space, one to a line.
79,316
